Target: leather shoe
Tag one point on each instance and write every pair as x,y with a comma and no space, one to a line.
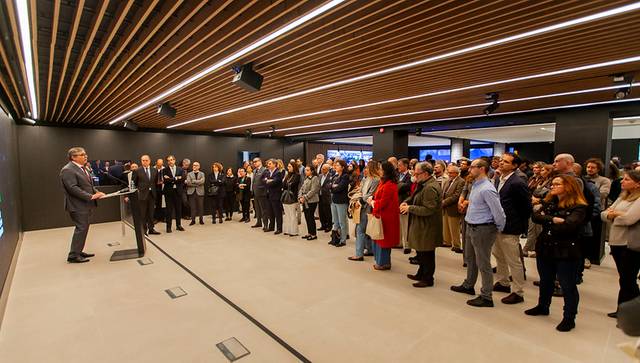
566,325
268,229
192,223
497,287
464,290
153,231
354,258
179,228
256,226
168,230
423,284
537,310
311,238
513,298
86,255
78,259
480,302
456,250
413,277
277,232
406,251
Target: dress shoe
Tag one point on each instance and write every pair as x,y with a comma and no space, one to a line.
78,259
306,236
421,284
168,230
277,232
257,226
86,255
311,238
566,325
537,310
414,277
192,223
613,315
153,231
512,298
406,251
213,221
414,261
497,287
456,250
368,254
464,290
341,244
247,221
268,229
536,283
179,228
480,302
354,258
381,268
228,219
220,220
201,221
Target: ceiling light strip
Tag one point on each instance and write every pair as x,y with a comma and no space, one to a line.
22,7
437,93
233,57
467,117
550,28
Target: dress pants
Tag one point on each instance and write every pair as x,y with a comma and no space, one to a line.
628,266
533,232
451,230
186,209
340,221
216,207
174,207
229,204
427,262
309,217
263,209
506,250
246,209
381,255
147,207
404,230
275,214
362,239
81,221
477,255
324,212
565,271
290,218
158,213
196,204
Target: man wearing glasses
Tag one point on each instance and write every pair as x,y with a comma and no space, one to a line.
260,195
80,197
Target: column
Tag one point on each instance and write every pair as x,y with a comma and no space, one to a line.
390,143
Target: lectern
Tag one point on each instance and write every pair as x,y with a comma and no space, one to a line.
130,217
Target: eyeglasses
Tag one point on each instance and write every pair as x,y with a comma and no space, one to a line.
83,154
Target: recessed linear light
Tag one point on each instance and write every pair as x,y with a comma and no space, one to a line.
430,94
468,117
562,25
590,90
233,57
29,120
628,117
25,40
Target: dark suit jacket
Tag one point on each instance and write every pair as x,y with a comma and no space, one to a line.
325,188
219,181
173,179
273,184
146,187
78,189
516,202
258,187
404,187
451,195
244,194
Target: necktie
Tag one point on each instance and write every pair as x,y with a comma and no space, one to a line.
148,173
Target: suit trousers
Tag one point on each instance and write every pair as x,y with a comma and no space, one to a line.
275,214
147,208
186,205
324,212
427,262
196,204
451,229
262,211
81,221
246,209
158,213
216,207
404,230
506,250
309,217
628,265
477,255
174,207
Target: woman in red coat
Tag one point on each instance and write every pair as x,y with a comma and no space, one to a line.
386,207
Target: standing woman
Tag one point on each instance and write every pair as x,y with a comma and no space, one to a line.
339,204
369,186
216,191
244,194
195,191
624,236
230,182
249,170
386,207
309,197
562,216
291,186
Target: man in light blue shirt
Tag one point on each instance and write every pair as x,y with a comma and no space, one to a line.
485,217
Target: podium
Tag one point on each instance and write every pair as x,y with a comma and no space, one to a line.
130,217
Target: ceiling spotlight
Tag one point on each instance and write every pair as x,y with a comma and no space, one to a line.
165,109
130,125
29,120
419,131
248,133
493,98
625,81
273,131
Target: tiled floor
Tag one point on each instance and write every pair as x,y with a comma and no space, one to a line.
327,308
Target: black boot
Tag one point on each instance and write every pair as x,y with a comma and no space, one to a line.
566,325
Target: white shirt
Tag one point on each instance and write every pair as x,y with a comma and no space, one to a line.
173,172
503,180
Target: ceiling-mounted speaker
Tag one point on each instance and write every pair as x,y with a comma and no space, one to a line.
165,109
130,125
247,78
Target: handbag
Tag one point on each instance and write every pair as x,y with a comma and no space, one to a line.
287,197
213,190
374,227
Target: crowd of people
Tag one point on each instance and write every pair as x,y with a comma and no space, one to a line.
478,208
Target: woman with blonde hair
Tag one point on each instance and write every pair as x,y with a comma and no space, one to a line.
624,236
562,216
368,187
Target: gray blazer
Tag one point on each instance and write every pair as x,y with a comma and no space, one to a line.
257,185
369,187
310,189
195,183
78,189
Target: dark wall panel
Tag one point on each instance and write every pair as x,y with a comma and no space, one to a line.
625,149
10,227
534,151
43,153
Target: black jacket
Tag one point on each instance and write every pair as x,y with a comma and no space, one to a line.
244,194
325,188
516,203
291,186
559,241
230,184
146,187
273,184
170,180
218,183
340,189
404,186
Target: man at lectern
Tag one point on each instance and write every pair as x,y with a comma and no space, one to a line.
80,197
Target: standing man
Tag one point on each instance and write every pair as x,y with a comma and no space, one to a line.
451,215
173,178
404,192
324,206
485,218
319,163
439,173
260,195
186,206
244,194
272,179
158,213
516,203
195,192
464,167
80,197
144,179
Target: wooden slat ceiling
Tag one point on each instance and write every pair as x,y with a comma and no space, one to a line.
97,59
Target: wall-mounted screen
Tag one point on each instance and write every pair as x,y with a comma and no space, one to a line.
478,152
436,154
349,155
